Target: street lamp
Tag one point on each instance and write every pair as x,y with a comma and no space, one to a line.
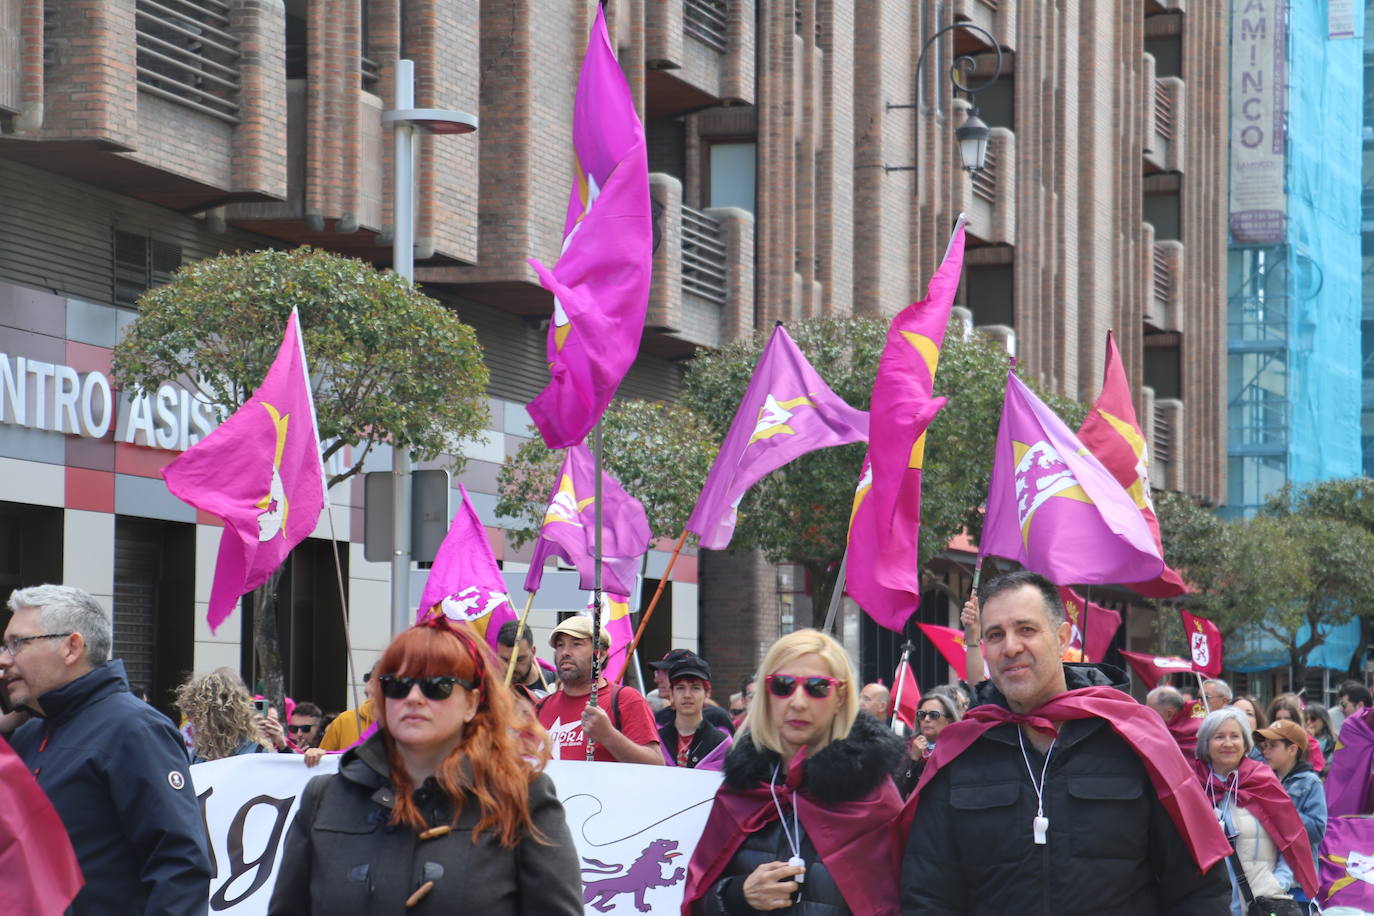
972,135
407,119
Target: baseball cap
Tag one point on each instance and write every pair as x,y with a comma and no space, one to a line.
579,627
1286,729
690,667
674,656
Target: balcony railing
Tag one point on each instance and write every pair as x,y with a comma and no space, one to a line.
705,21
703,256
1164,112
1163,276
1164,437
985,179
187,55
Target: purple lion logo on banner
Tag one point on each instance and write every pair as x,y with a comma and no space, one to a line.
646,872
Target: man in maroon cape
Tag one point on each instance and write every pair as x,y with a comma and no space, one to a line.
1057,793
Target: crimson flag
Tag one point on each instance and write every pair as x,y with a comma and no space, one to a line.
1204,643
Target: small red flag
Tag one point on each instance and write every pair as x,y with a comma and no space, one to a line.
906,698
1204,643
949,642
1098,622
1150,668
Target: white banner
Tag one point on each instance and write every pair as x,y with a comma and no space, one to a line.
635,827
1258,98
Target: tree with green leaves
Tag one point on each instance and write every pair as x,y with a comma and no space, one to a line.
388,363
800,513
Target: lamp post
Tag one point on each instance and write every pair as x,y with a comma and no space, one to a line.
406,119
972,135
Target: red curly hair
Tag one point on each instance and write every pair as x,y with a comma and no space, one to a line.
505,754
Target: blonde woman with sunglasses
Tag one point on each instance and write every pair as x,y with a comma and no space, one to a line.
806,813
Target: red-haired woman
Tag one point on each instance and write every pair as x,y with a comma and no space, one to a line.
444,809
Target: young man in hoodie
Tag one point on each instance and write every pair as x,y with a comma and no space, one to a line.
688,740
1285,750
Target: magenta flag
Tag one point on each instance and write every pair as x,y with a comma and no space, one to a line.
465,583
883,572
1055,509
1346,870
260,472
569,529
1347,779
601,281
787,411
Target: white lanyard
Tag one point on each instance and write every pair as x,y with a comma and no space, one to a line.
1040,824
1230,791
794,842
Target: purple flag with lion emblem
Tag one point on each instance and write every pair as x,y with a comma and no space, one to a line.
1347,863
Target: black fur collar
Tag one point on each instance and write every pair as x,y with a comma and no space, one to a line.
840,772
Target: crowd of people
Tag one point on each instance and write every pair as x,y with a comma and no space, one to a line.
1043,789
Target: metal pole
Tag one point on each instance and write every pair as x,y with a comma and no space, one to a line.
596,580
403,262
836,594
901,682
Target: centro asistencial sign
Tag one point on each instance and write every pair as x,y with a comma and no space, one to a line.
50,396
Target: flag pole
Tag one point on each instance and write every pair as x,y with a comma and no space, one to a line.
596,580
836,594
343,599
653,602
1087,600
515,650
901,682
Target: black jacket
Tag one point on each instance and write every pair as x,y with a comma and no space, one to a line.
706,739
343,858
843,771
116,770
1112,847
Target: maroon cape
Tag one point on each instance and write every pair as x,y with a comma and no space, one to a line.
1139,726
1260,792
857,840
1183,726
41,874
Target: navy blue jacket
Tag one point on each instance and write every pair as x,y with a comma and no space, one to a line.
116,771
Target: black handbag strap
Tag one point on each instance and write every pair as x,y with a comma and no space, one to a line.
1241,881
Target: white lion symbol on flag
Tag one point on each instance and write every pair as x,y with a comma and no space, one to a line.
1202,654
1040,475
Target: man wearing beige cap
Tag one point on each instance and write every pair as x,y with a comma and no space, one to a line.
620,726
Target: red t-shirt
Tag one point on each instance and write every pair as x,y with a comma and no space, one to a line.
561,716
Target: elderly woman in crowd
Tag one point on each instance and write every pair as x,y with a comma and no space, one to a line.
938,709
220,713
806,813
444,809
1254,810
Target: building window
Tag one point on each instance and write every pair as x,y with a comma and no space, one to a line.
731,178
141,263
186,54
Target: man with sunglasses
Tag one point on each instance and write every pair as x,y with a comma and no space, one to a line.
303,726
620,726
114,767
1046,797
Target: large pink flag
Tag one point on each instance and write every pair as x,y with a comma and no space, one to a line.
601,281
569,529
465,583
1112,433
1054,508
883,572
259,471
787,411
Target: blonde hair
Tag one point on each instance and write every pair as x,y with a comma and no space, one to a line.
221,713
759,723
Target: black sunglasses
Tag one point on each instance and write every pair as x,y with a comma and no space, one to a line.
300,728
929,714
395,687
784,685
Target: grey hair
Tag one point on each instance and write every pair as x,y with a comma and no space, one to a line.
66,609
1215,719
1222,685
1166,696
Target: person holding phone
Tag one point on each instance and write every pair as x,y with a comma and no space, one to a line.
224,718
807,814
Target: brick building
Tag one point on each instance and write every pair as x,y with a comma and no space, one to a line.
134,136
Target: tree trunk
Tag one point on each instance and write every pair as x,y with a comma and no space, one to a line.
265,645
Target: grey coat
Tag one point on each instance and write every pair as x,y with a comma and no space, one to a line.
343,858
